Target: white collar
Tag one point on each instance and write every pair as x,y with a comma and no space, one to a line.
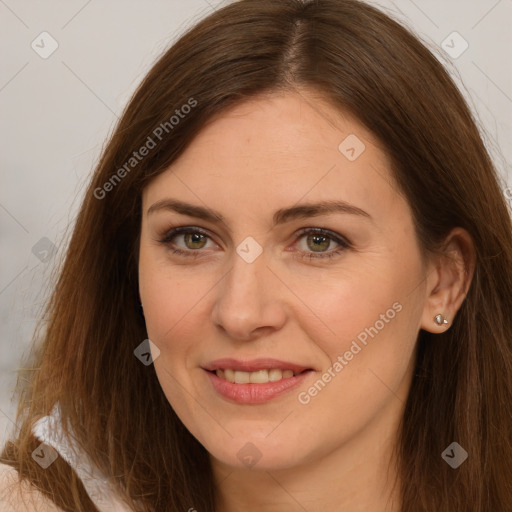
48,430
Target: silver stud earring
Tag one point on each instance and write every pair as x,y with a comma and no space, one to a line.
440,320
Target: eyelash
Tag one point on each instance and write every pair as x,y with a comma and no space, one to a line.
344,244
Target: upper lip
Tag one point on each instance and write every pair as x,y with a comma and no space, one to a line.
253,365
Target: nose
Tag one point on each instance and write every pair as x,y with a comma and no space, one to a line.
248,303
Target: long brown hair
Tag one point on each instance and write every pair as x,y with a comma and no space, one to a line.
364,63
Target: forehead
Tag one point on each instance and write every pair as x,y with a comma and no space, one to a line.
275,150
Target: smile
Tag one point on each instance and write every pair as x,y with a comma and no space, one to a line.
257,377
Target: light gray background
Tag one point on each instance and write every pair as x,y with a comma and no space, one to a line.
57,112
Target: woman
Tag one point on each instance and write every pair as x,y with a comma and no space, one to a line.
287,287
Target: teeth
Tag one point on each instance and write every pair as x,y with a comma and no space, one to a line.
275,374
242,377
258,377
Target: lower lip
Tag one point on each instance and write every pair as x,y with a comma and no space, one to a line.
255,393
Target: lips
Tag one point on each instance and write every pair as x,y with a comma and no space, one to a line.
255,381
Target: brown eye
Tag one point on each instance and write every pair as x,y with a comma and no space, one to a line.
194,240
186,241
318,243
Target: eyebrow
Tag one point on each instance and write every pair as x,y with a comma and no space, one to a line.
280,216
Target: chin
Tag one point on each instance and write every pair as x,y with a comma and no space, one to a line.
257,453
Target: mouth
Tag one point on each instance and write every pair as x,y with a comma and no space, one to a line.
256,381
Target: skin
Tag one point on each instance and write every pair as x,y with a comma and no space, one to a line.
272,152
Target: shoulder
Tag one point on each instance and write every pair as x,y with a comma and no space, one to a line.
21,497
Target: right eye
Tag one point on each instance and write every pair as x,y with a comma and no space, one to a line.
193,239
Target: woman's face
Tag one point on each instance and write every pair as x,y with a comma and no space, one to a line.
298,276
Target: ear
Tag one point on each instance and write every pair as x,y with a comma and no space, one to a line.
449,277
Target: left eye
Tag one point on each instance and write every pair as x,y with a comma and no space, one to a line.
318,241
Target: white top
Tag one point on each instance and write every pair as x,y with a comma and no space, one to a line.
100,490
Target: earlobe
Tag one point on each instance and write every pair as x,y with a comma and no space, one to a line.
439,322
440,319
454,268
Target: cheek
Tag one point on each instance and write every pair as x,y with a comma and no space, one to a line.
345,305
169,299
369,327
368,316
367,365
171,305
172,324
